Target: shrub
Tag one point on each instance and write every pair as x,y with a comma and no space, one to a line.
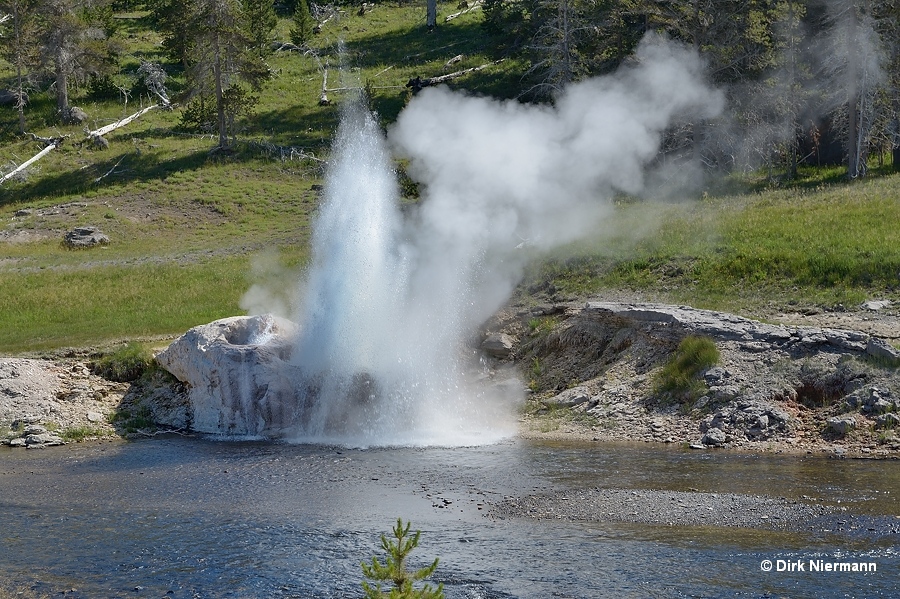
126,364
394,569
679,378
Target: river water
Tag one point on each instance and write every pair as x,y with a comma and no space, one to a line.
196,518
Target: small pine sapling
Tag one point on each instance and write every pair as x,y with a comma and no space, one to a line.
394,569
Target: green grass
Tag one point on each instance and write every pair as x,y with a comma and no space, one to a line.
679,378
84,307
833,244
77,434
126,363
132,421
188,227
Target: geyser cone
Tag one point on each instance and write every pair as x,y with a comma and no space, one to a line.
380,366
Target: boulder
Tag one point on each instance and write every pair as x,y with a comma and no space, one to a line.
8,97
882,350
239,375
841,424
498,345
715,437
85,237
569,398
879,401
74,115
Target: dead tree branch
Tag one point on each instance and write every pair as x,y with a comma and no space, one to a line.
466,8
110,171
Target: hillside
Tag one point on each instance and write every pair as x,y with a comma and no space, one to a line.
191,231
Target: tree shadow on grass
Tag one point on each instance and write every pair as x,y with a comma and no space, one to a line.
116,169
416,46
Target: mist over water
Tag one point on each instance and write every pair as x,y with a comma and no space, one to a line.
393,299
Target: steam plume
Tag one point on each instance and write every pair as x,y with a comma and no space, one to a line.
391,301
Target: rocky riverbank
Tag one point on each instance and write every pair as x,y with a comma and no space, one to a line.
590,368
776,387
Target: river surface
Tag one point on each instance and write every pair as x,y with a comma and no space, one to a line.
197,518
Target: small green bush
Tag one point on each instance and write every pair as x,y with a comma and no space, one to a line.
394,569
78,434
125,364
679,378
131,422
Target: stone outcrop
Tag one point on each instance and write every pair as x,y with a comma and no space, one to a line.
773,383
498,345
238,374
43,402
85,237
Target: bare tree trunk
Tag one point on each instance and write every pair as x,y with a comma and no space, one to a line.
20,80
431,18
220,99
793,142
62,85
853,149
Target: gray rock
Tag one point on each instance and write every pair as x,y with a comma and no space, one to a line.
99,142
714,437
841,424
85,237
498,345
716,376
569,398
890,421
74,115
876,305
44,439
9,97
94,417
879,401
880,349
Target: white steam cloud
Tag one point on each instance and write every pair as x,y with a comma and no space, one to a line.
497,174
391,301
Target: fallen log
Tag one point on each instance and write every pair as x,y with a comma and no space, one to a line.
418,84
120,123
466,8
52,144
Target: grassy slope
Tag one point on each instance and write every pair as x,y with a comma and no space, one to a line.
829,245
186,226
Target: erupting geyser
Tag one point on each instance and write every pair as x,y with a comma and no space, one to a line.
380,364
388,306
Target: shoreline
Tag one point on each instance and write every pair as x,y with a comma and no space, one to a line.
776,388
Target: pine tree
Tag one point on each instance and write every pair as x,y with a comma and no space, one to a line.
17,49
74,43
394,569
303,23
222,57
261,21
